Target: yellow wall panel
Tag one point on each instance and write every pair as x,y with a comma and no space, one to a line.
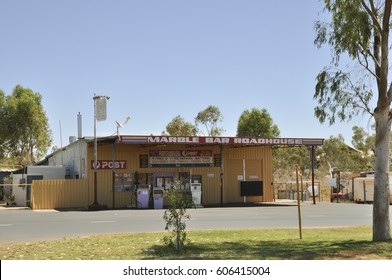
56,194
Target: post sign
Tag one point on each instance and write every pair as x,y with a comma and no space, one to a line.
108,164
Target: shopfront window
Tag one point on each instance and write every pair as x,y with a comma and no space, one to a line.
131,181
164,182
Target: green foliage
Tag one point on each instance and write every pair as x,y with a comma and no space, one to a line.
360,140
365,143
210,117
257,123
25,133
284,161
334,153
338,97
350,30
179,127
179,200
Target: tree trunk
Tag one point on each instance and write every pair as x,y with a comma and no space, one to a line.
381,222
178,233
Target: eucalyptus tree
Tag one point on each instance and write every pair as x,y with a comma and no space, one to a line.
336,154
209,118
28,136
365,143
179,127
257,123
284,160
360,29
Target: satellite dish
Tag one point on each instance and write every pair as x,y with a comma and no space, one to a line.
119,125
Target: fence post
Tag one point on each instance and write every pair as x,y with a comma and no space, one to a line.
299,204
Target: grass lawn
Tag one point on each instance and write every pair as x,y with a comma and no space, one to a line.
352,243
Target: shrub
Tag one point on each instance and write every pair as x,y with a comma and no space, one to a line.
179,200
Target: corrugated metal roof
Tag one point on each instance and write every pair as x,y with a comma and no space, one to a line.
7,169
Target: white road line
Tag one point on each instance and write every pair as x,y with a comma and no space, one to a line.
5,225
101,222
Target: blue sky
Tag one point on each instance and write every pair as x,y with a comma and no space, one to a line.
157,59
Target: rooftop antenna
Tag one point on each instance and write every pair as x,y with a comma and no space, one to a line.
119,125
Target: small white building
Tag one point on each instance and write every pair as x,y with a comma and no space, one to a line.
22,179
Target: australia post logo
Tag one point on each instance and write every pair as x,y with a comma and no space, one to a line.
108,164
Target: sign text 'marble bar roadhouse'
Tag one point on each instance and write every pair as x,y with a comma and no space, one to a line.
201,140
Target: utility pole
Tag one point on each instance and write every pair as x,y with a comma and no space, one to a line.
313,155
99,115
298,203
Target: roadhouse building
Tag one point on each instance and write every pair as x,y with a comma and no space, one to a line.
218,170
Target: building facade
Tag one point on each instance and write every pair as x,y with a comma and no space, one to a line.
225,169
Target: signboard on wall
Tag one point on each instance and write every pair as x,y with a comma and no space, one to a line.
108,164
201,140
143,161
217,160
180,158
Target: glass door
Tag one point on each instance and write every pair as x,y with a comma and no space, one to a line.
164,182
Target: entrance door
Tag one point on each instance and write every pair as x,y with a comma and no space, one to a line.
234,171
164,182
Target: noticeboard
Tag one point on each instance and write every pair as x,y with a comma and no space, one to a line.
180,158
143,161
217,160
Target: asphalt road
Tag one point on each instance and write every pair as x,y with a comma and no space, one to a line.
29,226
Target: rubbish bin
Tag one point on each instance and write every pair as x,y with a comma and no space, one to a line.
196,194
143,195
158,198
